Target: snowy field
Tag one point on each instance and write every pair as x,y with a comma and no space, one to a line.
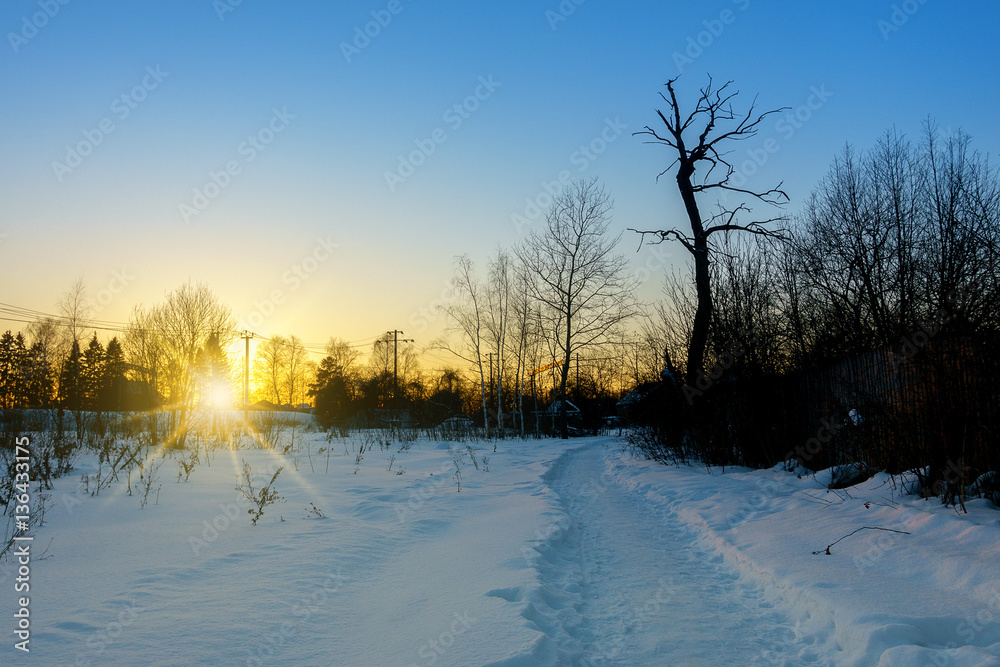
539,553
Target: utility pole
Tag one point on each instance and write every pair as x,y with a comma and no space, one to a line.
534,397
247,335
395,364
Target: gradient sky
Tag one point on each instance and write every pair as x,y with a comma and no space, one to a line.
201,77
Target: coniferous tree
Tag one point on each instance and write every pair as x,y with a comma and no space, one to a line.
20,370
92,374
38,379
7,371
330,393
113,377
70,381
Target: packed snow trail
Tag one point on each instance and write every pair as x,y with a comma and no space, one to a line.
622,584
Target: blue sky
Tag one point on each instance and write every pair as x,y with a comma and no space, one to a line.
257,105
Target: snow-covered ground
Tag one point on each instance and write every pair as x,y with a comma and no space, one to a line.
552,553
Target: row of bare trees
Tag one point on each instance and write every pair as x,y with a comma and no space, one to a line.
562,292
878,300
892,240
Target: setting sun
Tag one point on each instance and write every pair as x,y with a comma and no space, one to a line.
221,397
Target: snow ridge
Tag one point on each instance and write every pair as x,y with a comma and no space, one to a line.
927,598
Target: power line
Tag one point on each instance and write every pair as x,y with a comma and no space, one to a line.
395,363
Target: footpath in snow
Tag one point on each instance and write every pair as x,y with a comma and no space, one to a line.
622,584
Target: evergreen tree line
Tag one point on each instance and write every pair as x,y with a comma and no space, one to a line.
92,379
25,374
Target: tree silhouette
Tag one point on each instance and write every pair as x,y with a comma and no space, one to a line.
699,141
70,384
581,285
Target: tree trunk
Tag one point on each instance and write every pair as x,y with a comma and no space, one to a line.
702,315
563,426
702,276
482,391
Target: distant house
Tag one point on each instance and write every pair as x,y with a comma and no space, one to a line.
637,405
549,416
390,417
571,410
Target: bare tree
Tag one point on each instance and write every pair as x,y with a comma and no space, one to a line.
856,245
582,286
144,351
890,236
960,234
668,327
525,334
282,370
701,149
345,358
299,372
466,316
171,336
498,295
749,336
75,308
268,368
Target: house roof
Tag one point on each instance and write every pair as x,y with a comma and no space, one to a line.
557,406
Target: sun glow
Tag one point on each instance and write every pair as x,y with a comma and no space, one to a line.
220,397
